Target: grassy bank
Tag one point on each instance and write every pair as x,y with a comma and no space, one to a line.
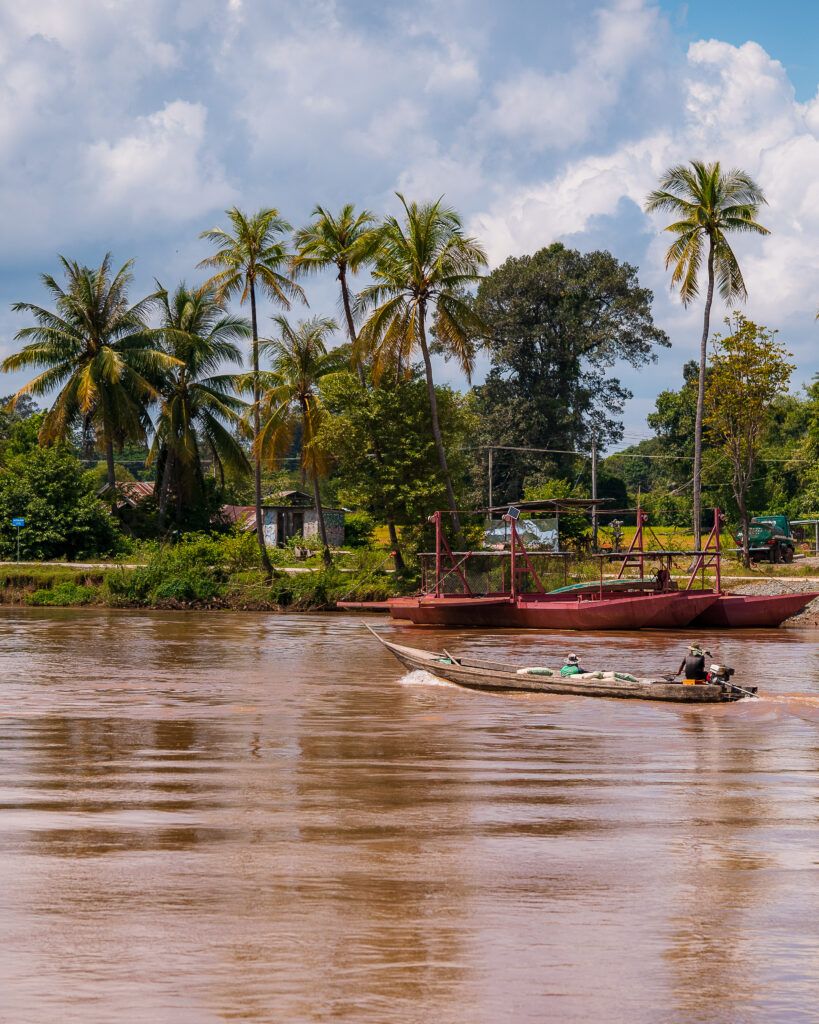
201,572
224,572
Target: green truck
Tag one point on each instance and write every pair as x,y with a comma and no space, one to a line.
770,539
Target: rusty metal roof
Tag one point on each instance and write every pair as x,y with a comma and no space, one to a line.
131,492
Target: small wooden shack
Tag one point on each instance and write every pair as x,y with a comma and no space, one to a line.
288,514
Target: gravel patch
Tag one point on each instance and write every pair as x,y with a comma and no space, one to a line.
771,587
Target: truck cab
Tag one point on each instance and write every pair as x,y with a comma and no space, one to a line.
769,538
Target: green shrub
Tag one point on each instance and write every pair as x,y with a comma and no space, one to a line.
358,529
64,520
195,570
64,595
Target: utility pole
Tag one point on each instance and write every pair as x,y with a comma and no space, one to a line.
491,467
594,490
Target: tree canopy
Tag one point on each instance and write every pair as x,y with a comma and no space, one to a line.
748,371
64,518
405,483
556,323
97,352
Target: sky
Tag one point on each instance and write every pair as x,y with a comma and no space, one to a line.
131,127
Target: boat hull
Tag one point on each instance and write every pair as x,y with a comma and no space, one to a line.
545,611
399,607
750,611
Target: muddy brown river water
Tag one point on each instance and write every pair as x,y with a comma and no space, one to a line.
226,817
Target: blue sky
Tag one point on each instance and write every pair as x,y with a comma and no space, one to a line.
130,127
787,29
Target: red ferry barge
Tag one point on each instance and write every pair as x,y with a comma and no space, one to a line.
623,604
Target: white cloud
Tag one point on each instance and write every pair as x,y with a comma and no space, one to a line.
558,110
159,169
454,72
122,122
737,106
529,218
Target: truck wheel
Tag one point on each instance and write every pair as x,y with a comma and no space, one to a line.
787,555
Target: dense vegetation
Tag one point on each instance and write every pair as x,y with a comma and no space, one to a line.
222,408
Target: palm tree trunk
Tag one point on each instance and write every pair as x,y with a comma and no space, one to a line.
362,378
257,426
706,325
165,488
348,316
109,459
325,553
436,426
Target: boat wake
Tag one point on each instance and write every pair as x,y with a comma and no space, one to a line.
418,677
800,705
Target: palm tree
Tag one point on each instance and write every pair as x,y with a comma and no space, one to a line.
707,204
347,242
198,404
253,258
299,361
100,354
425,263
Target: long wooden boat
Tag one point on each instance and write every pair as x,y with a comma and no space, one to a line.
487,675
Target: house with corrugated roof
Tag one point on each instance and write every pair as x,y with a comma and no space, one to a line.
287,514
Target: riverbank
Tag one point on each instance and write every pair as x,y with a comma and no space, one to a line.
223,572
193,576
185,579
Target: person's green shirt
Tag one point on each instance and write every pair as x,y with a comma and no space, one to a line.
571,670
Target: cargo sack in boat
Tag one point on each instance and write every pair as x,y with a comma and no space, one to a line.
623,677
536,671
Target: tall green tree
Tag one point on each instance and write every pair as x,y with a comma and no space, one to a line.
291,400
346,241
707,204
556,321
423,267
749,370
99,354
406,483
252,258
199,409
64,518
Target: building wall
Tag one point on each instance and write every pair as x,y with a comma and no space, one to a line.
333,520
269,527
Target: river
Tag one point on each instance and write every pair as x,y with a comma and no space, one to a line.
241,817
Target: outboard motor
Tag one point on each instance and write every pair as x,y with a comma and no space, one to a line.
721,676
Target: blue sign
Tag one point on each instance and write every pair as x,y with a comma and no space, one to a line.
18,521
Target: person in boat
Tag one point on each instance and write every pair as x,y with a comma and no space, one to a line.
571,666
693,664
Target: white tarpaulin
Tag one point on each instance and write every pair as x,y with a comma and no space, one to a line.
537,534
